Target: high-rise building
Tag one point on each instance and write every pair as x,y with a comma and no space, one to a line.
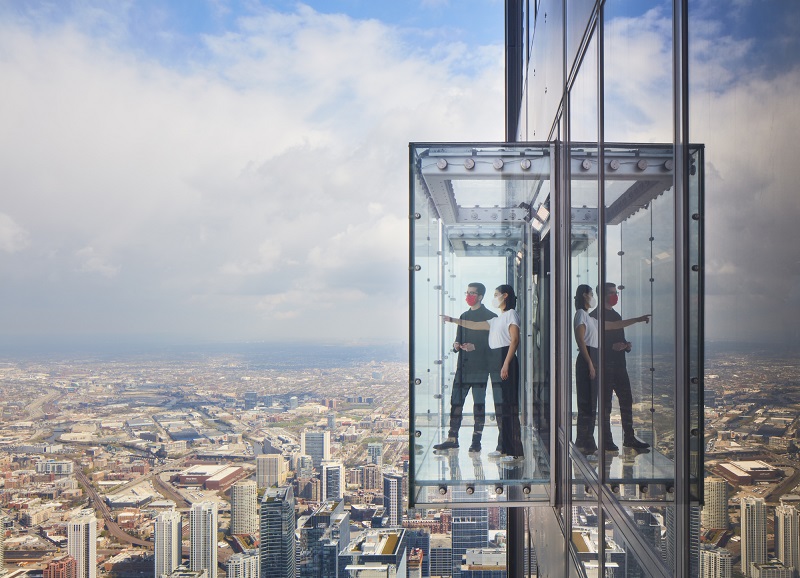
441,555
382,550
753,517
82,543
331,420
332,477
243,565
302,465
375,453
787,536
250,400
470,527
271,470
715,562
562,84
63,567
393,497
203,535
372,478
277,546
715,511
316,444
323,535
244,508
771,570
167,542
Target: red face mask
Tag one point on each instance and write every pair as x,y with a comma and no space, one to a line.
472,299
613,299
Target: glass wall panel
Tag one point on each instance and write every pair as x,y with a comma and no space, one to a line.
578,16
583,99
584,224
638,71
477,221
638,335
545,78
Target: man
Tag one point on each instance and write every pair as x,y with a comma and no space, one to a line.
615,372
472,370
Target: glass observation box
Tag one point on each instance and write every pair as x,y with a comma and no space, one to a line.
555,322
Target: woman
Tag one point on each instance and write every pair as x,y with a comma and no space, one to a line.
585,369
586,384
503,337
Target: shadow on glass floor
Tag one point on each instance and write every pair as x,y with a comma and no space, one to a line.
634,466
484,468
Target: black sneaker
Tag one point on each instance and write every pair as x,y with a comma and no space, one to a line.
475,447
448,444
636,444
611,446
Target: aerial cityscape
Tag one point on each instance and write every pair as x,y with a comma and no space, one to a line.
193,464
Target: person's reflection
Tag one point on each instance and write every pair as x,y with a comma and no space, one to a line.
615,372
585,369
472,370
503,338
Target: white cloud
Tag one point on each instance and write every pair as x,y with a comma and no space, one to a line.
13,237
92,262
219,192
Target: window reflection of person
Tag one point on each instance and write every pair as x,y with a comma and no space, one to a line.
503,338
472,370
585,369
615,372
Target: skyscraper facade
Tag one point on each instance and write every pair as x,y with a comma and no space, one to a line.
787,536
242,565
277,546
582,223
203,535
244,507
167,542
271,470
316,444
715,510
332,477
63,567
82,543
753,515
715,562
470,528
393,497
375,453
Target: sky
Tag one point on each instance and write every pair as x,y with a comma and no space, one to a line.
226,171
217,171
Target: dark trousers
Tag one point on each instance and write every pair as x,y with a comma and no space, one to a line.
507,408
586,390
616,380
457,398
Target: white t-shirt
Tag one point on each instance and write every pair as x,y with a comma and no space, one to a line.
583,318
499,334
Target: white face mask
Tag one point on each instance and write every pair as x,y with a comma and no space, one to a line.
592,303
496,302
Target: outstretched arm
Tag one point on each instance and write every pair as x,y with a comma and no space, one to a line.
479,325
623,323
